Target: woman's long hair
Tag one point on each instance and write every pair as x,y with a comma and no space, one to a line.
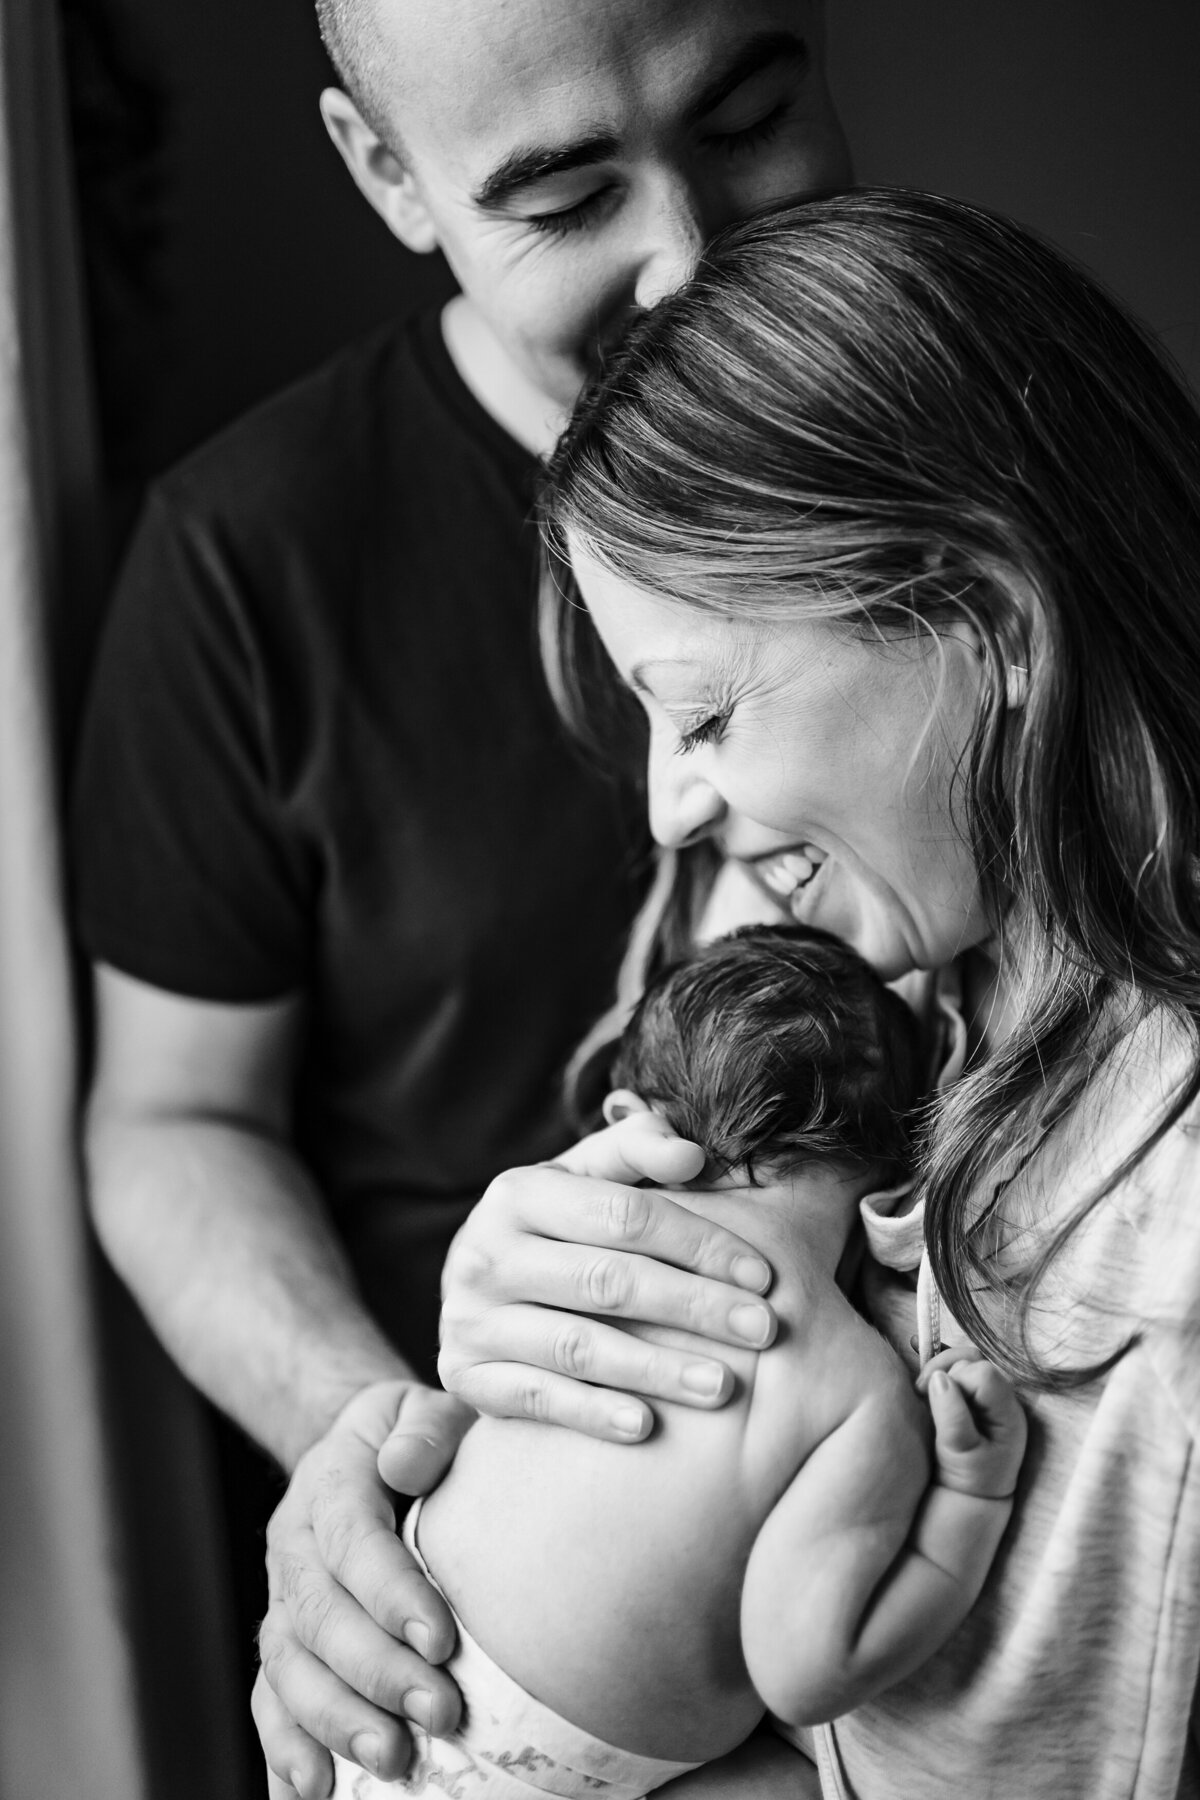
901,411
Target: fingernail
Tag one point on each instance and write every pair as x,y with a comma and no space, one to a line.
417,1634
630,1421
753,1323
365,1749
751,1272
939,1381
418,1705
706,1379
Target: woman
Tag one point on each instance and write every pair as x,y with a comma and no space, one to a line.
891,521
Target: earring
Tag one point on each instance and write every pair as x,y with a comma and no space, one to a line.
1016,686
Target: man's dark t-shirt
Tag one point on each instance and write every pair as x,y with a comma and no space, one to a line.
320,757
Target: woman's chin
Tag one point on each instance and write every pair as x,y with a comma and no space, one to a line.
868,928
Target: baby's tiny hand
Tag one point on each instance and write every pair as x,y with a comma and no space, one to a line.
979,1425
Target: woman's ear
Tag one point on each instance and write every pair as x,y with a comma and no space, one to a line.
1016,686
1018,615
622,1104
379,173
1022,615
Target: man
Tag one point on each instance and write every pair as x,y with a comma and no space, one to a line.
349,896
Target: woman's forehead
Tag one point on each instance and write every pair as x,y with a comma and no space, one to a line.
660,644
682,654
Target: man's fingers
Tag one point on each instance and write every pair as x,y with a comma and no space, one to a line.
544,1246
660,1156
355,1692
351,1618
538,1341
352,1521
581,1278
421,1445
515,1390
640,1148
312,1617
335,1715
372,1565
545,1203
298,1768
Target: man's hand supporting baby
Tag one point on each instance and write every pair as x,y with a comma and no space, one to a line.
582,1240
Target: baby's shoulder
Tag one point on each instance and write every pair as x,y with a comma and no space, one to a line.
827,1364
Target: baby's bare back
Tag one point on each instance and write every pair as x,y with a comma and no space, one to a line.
607,1579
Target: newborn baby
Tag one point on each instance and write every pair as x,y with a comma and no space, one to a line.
627,1612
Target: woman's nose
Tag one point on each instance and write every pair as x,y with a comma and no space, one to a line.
675,233
684,807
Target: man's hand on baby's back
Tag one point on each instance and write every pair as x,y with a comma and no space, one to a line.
353,1628
553,1250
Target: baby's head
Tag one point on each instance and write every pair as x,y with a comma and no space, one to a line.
775,1046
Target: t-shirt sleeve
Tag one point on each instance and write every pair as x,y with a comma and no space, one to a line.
184,872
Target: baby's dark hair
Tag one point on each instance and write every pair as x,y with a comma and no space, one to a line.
775,1045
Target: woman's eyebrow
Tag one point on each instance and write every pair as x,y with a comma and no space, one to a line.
536,162
637,677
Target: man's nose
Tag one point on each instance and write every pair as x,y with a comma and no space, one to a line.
675,233
684,807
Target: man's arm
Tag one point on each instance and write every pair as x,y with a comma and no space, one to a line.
861,1571
220,1234
210,1218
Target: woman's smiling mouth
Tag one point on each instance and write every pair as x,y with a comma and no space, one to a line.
786,874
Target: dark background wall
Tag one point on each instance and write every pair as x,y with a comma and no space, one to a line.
1078,116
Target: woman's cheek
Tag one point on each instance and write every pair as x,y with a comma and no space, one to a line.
867,916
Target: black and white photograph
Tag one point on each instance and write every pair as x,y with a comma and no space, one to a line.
599,900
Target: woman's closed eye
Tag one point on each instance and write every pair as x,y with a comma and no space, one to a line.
708,730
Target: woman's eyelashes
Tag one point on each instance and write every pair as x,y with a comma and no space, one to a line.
709,730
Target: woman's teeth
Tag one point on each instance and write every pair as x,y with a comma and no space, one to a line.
788,873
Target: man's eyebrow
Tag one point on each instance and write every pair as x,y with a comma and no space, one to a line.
762,51
537,161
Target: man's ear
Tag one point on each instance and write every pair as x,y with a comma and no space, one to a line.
622,1104
379,174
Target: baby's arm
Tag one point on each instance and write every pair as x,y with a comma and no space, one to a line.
860,1573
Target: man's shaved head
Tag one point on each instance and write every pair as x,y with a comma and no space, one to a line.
571,158
352,35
